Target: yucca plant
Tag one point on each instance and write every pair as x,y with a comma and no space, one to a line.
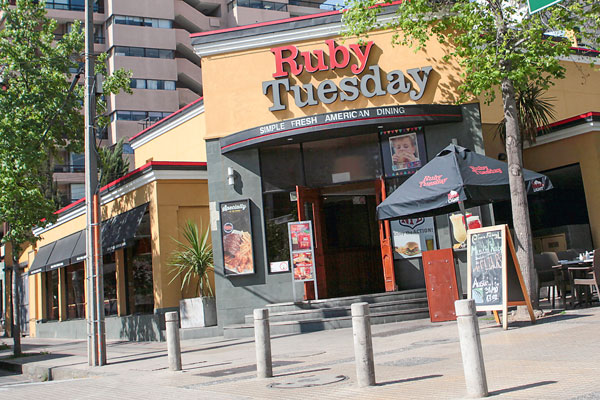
193,259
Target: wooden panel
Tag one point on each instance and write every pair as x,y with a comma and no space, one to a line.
440,280
385,238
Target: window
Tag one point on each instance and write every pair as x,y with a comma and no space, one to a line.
52,295
139,115
142,52
140,286
142,21
75,291
153,84
77,191
110,284
263,5
77,162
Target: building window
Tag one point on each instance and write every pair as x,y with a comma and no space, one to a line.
150,116
77,191
52,295
143,21
110,285
262,5
77,162
74,5
140,286
153,84
75,291
142,52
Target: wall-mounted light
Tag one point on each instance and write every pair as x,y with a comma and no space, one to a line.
230,176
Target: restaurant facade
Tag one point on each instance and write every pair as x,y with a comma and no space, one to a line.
299,123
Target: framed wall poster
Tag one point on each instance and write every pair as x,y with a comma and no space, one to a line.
236,237
413,236
403,151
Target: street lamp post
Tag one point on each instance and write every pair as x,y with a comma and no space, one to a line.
95,284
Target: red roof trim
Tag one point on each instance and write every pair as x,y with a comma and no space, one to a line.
282,21
268,23
136,171
165,118
572,119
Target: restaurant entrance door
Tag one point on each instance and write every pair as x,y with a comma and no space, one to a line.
348,256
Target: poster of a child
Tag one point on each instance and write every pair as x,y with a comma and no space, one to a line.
404,152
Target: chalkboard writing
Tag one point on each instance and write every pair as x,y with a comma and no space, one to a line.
486,267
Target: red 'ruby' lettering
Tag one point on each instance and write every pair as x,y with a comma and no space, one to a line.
485,170
339,57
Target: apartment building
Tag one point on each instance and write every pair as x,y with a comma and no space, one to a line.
152,39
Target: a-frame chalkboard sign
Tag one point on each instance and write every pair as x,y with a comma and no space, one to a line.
494,274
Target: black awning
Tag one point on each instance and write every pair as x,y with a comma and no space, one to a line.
41,259
61,254
119,231
78,254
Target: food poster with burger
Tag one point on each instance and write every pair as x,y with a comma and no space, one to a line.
236,236
301,250
413,236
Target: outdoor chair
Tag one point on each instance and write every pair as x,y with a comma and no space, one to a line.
547,276
592,280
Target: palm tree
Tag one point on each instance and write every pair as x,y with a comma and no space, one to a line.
111,163
194,259
535,113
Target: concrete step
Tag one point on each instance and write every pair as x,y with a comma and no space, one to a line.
347,301
319,324
334,312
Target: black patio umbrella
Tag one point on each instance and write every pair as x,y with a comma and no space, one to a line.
455,176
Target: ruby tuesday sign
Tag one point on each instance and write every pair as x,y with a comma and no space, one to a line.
372,82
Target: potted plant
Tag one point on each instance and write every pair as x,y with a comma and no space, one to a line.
192,261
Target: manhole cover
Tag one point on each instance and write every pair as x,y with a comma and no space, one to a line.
308,381
299,354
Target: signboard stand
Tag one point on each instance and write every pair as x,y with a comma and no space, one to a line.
494,274
302,254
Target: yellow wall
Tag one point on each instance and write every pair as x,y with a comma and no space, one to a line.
172,202
182,143
241,104
576,94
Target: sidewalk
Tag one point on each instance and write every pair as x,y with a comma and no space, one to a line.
553,359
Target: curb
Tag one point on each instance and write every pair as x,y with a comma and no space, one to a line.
42,373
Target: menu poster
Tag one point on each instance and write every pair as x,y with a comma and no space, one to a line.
302,250
236,237
486,258
413,236
403,151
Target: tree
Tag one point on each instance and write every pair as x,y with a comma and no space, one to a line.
39,114
498,46
111,163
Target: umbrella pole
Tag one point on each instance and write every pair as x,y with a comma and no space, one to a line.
464,214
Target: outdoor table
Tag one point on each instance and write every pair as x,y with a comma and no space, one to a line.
568,269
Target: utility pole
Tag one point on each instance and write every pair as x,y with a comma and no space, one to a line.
95,284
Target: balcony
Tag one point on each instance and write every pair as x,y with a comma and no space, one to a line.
68,168
308,7
186,96
192,20
189,75
184,46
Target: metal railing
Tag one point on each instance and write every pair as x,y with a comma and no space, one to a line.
259,4
68,168
314,4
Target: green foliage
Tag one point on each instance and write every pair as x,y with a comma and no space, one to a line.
491,40
193,259
39,111
111,164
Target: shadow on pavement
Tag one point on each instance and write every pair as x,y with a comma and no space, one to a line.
301,372
521,387
416,378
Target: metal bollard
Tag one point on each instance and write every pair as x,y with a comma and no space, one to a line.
470,347
262,339
363,344
173,345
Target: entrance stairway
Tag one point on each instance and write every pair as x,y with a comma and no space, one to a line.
318,315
